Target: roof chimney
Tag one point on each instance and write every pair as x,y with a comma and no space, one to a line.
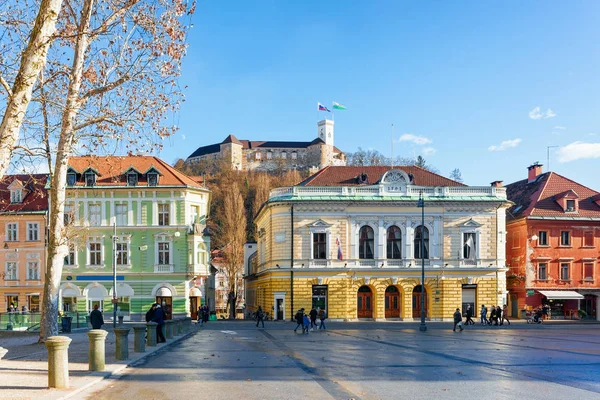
496,184
535,170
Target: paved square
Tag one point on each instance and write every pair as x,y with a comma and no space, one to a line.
229,360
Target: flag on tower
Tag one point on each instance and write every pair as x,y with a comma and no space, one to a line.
338,106
322,107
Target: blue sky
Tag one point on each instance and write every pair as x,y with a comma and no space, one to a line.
462,77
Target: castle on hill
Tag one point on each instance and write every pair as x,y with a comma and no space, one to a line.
247,155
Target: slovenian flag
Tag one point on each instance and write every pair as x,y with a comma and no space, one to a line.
339,245
322,107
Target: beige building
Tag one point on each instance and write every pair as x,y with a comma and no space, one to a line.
270,155
351,240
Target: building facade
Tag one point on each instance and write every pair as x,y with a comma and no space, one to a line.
222,285
270,155
352,240
553,245
144,217
23,216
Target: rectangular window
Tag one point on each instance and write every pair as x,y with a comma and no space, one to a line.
132,179
258,155
15,196
565,238
153,179
319,297
564,271
95,253
164,256
90,179
570,205
588,271
70,258
121,214
588,238
294,155
542,271
283,155
95,214
33,271
71,179
269,155
319,246
122,254
68,216
516,240
11,271
469,245
163,214
12,233
542,238
33,231
194,214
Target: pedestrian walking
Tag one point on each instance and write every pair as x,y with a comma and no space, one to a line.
96,318
159,318
24,313
493,318
457,320
150,313
498,316
483,315
299,319
322,318
504,315
469,320
260,317
306,324
313,318
205,313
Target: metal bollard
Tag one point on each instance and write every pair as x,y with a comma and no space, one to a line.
139,339
151,333
58,361
97,352
122,343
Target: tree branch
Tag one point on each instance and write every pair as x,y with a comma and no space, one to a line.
96,121
111,19
106,88
6,86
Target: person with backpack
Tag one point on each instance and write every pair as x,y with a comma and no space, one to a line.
299,319
313,318
457,320
483,316
306,324
322,317
260,315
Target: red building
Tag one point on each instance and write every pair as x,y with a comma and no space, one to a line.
552,246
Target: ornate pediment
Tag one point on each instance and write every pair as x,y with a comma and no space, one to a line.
470,224
319,224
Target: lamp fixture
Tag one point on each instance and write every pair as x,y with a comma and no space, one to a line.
534,237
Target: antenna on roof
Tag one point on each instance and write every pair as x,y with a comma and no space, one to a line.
392,146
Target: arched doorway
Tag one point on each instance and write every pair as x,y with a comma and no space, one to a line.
195,301
392,302
416,306
364,302
164,297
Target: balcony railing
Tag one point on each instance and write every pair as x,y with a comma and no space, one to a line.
163,268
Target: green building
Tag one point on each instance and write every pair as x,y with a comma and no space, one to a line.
149,220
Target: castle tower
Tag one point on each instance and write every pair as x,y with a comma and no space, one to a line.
325,131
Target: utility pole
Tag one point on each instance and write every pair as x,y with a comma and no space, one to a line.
114,299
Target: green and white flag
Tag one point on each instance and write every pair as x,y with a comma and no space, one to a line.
338,106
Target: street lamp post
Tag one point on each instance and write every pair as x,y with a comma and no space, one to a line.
114,299
421,204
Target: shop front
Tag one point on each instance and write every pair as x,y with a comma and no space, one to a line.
560,304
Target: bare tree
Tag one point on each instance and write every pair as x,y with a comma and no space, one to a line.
233,232
31,62
456,175
109,84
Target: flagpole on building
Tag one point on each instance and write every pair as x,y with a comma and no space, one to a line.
392,146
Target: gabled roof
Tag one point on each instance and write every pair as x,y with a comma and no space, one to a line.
35,195
538,198
231,139
112,170
346,176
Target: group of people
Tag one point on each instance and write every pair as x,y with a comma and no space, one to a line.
309,321
13,311
157,314
497,316
203,314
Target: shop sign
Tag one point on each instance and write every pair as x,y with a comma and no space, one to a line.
530,292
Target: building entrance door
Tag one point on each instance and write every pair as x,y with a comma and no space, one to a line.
279,308
514,306
194,307
167,305
364,302
416,295
392,302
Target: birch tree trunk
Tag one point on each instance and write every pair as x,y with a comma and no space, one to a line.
57,245
32,62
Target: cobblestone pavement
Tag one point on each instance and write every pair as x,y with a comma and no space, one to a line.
235,360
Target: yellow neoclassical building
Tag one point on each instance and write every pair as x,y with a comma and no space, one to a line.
351,240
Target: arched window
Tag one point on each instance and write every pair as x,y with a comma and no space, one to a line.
421,232
394,243
366,243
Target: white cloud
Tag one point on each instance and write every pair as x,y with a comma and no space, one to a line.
537,113
429,151
507,144
416,139
578,151
183,137
562,128
550,114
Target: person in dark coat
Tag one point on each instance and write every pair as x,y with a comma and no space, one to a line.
313,318
299,319
469,316
96,318
498,315
457,320
205,314
492,315
260,317
150,313
160,320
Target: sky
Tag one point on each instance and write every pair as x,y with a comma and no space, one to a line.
485,87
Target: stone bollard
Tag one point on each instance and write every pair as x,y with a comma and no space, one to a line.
151,333
169,328
188,323
180,326
122,343
58,361
139,340
97,353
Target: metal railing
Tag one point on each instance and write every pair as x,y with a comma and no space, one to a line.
31,321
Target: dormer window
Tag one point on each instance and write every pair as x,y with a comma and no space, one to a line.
132,179
71,179
16,196
90,179
570,206
152,179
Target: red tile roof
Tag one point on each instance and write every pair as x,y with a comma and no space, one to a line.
112,169
35,197
538,198
347,176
